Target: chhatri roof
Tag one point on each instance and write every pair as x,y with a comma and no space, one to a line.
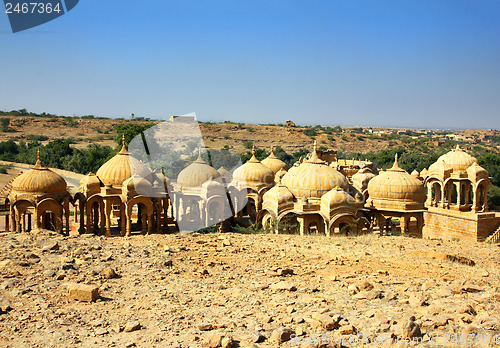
274,163
197,173
39,180
253,172
313,178
395,189
457,160
121,167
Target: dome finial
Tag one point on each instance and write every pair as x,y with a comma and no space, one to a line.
38,163
395,166
458,147
199,159
253,159
314,155
124,147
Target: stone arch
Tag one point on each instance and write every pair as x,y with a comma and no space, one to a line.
268,220
114,208
145,210
49,215
343,224
481,195
20,211
94,212
288,222
78,203
215,209
313,223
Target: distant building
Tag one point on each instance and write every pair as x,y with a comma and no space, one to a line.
182,119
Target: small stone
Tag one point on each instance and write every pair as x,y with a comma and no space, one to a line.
227,342
282,334
205,326
132,326
257,337
60,276
284,272
328,322
366,286
267,320
368,295
410,329
353,289
417,300
109,273
49,273
467,309
347,330
298,320
50,245
213,340
101,331
5,309
7,263
282,286
82,292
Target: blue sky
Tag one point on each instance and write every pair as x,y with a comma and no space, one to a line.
426,63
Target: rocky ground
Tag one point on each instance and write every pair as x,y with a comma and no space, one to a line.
244,290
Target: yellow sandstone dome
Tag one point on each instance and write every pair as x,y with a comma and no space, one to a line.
396,185
274,163
121,167
457,160
197,173
254,172
39,180
313,178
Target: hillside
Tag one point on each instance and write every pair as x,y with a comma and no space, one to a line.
83,131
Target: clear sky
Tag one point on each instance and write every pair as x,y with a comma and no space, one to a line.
420,63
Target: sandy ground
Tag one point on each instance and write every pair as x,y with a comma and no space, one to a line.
245,290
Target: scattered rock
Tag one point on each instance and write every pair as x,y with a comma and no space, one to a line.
467,309
347,330
417,300
132,326
49,245
368,295
282,286
366,285
227,342
257,337
410,328
282,334
5,309
353,289
328,322
205,326
214,340
82,292
109,273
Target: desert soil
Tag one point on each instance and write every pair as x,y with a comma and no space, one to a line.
246,290
217,135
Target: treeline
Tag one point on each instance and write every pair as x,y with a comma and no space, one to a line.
60,154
